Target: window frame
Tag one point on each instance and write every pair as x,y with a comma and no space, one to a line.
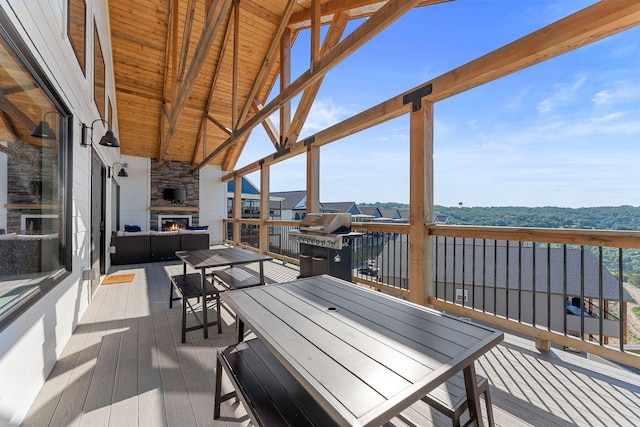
81,61
16,45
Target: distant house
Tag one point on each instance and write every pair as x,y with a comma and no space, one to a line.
490,276
404,215
371,210
341,207
292,206
390,215
441,219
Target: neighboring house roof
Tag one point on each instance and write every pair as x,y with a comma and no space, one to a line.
291,199
390,213
404,213
482,270
490,267
370,210
247,187
441,219
342,207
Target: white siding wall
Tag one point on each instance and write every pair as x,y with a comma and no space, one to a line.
213,201
30,345
135,190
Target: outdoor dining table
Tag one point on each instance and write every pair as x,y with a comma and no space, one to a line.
363,355
203,259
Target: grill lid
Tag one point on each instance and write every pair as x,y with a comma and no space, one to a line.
326,223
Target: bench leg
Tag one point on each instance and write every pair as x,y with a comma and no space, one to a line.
184,319
473,395
487,402
218,393
218,314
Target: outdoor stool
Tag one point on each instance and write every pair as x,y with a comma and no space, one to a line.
189,286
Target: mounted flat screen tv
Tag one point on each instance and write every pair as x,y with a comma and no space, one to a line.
175,194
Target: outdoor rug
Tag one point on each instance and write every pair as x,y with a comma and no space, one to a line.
118,278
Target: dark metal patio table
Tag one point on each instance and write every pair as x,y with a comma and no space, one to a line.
364,356
219,257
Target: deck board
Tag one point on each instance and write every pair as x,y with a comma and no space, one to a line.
125,365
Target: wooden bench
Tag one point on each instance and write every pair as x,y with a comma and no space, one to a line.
189,286
269,393
236,278
272,396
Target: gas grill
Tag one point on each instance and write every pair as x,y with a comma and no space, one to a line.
325,244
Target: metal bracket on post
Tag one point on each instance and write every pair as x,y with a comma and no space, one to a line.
307,142
415,97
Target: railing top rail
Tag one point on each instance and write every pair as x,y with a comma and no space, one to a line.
605,238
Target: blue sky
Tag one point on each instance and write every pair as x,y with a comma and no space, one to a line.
562,133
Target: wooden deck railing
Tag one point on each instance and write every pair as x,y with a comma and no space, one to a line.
526,280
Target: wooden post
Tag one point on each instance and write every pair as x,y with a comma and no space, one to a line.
313,179
264,208
237,208
421,210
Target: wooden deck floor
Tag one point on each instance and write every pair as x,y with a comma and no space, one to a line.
125,366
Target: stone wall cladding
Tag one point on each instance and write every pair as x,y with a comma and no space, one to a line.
174,175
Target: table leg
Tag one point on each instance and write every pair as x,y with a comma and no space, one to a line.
240,329
184,268
473,397
262,272
205,321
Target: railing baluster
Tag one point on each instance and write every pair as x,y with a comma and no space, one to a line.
582,307
564,287
548,286
621,306
600,297
533,282
520,282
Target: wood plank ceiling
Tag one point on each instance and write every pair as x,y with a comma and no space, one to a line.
178,98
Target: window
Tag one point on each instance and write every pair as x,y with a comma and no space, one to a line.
77,30
34,180
98,73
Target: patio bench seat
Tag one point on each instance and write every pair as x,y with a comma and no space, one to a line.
189,286
269,393
236,278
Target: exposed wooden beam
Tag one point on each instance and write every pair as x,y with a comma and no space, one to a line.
234,70
586,26
186,39
315,32
268,125
267,62
332,38
212,87
353,8
285,81
388,14
213,21
218,123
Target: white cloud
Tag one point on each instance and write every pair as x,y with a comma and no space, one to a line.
621,91
563,94
324,113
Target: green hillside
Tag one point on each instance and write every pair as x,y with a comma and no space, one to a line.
596,218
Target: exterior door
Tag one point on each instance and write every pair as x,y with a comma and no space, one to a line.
98,182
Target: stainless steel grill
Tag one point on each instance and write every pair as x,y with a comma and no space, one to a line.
325,244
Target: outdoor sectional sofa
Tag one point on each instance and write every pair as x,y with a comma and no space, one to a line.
135,247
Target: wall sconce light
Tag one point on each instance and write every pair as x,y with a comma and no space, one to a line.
123,172
42,129
108,140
